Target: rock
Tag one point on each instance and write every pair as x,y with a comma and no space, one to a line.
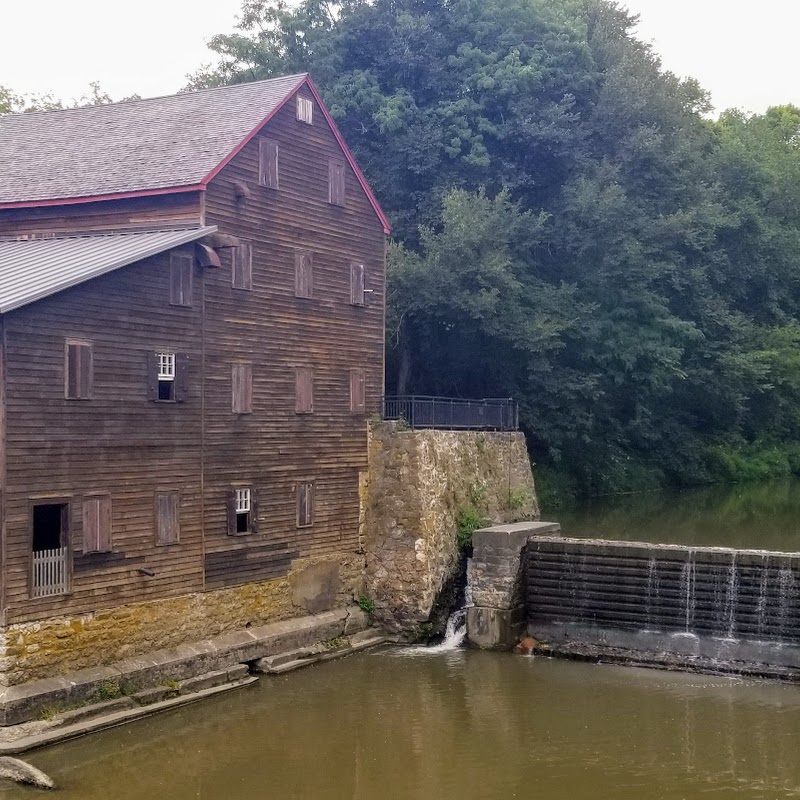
13,769
526,647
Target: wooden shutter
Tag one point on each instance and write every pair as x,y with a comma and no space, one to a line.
181,377
305,505
152,376
243,267
253,511
180,279
304,390
336,182
268,163
303,273
78,369
357,283
97,524
305,109
230,504
358,400
242,388
168,530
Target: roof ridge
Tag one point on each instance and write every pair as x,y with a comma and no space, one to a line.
131,100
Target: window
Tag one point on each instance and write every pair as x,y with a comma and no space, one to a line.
168,526
268,163
78,370
304,390
50,549
168,377
357,284
336,182
97,524
242,388
303,273
180,279
305,504
305,109
358,399
243,267
242,511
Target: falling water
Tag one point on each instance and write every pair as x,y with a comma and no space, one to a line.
731,596
761,605
786,597
652,589
687,592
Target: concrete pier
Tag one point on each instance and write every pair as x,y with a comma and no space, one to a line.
497,577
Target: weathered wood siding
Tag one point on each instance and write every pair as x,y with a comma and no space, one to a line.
274,447
119,442
181,210
123,444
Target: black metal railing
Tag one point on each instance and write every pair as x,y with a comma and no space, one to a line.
444,413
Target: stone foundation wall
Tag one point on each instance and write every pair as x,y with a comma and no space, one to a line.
420,484
57,646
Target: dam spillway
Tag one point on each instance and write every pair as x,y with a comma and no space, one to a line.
703,608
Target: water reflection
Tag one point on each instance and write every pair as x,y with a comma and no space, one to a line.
760,516
457,725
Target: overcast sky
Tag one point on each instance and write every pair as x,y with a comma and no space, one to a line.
744,52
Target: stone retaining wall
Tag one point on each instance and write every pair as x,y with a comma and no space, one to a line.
420,483
57,646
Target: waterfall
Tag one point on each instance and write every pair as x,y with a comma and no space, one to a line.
687,592
652,589
731,597
786,597
761,604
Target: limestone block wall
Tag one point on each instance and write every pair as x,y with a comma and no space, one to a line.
420,484
62,645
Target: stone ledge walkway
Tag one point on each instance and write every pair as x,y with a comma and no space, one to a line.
154,679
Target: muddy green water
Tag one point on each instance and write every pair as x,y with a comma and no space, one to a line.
403,725
386,726
761,516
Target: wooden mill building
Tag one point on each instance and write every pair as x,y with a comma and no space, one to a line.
191,342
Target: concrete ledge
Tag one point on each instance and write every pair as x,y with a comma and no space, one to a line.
27,701
59,732
513,536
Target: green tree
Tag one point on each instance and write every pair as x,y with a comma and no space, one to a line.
571,227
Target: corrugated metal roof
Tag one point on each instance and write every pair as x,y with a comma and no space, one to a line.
31,269
136,145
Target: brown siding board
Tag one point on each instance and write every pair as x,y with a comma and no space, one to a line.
121,444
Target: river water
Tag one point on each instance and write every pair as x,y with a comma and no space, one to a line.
406,724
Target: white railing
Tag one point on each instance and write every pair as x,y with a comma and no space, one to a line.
50,573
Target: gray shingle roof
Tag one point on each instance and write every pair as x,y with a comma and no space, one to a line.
136,145
35,268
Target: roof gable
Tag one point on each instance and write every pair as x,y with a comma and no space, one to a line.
141,147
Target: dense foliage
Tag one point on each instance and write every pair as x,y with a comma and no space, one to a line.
570,227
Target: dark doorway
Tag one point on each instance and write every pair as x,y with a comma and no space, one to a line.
49,526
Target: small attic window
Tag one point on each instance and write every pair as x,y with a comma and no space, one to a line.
305,109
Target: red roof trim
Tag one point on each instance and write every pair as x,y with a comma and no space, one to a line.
71,201
239,147
305,81
349,156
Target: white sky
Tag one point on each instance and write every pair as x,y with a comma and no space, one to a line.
743,51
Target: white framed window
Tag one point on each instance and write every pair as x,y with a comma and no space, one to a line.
166,376
242,511
305,109
242,501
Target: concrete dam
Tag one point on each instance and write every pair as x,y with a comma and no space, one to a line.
700,608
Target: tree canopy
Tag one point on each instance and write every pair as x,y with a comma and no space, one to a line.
570,227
